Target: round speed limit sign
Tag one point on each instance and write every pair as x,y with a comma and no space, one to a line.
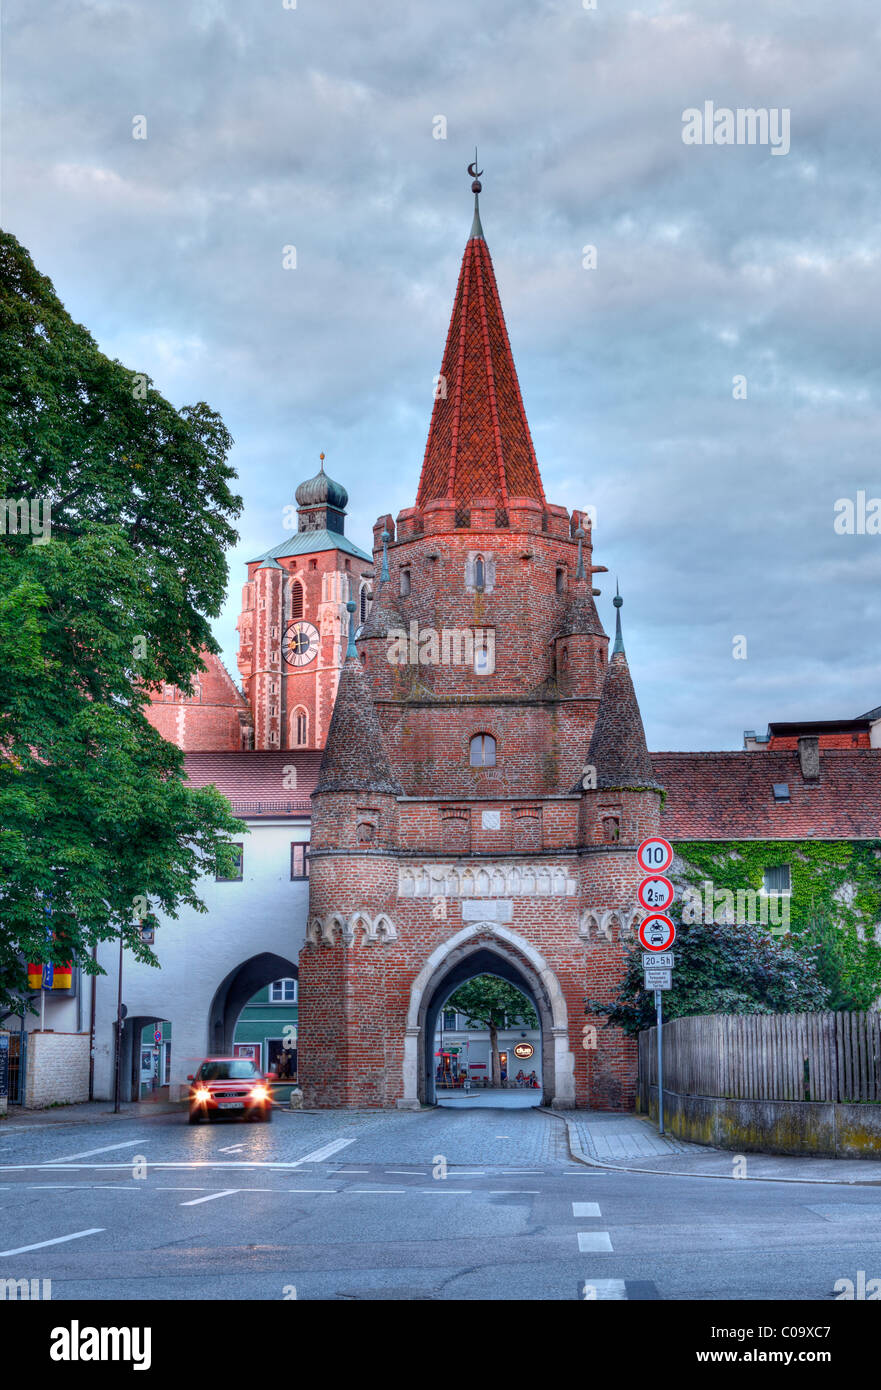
655,856
655,894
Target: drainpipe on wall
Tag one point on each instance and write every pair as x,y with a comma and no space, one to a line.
92,1029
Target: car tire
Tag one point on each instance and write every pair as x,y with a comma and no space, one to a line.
196,1117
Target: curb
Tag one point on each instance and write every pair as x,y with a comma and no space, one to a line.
577,1154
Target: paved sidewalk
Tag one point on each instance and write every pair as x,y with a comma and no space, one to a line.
87,1112
631,1143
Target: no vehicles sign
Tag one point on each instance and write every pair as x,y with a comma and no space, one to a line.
657,933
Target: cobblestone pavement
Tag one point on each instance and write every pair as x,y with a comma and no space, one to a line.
611,1137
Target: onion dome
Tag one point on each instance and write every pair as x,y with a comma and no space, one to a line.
322,491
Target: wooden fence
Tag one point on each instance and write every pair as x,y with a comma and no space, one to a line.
819,1056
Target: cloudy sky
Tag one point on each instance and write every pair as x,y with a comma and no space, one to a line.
314,127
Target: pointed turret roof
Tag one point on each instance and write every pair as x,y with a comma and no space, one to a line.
355,758
581,616
479,443
617,747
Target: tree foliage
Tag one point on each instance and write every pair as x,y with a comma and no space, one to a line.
95,815
489,1002
722,968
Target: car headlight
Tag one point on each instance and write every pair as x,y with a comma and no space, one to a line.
202,1094
260,1093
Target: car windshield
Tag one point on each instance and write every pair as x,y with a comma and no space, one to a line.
241,1070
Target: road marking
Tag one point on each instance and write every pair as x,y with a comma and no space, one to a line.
320,1191
503,1191
447,1192
178,1189
503,1136
594,1242
375,1191
585,1209
348,1170
400,1173
325,1151
87,1153
212,1197
231,1149
59,1240
603,1289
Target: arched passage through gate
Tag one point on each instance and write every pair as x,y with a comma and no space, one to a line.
487,949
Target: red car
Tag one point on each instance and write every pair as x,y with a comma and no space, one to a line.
229,1086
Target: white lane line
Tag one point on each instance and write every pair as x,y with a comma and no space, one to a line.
402,1173
603,1289
59,1240
319,1191
375,1191
231,1149
585,1209
178,1189
87,1153
503,1136
503,1191
317,1155
348,1170
594,1242
212,1197
448,1192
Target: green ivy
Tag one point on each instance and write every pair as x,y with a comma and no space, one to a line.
833,882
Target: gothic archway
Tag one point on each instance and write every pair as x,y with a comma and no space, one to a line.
236,989
487,948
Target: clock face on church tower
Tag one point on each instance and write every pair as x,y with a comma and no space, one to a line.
300,645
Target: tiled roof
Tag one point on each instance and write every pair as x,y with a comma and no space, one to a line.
729,796
479,443
254,781
306,542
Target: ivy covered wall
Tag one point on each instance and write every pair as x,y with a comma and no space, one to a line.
835,899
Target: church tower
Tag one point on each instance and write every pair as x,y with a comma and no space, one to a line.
293,625
457,826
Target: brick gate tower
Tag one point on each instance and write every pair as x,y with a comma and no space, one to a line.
485,780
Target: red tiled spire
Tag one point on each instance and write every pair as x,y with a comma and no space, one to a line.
479,443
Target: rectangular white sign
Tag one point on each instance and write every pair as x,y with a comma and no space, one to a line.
664,959
659,979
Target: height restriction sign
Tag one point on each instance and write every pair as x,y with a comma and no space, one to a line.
655,894
655,856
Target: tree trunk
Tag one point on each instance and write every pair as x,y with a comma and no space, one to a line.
496,1069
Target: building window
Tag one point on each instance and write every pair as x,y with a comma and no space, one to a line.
232,861
283,992
296,600
300,859
483,751
611,829
564,657
484,654
299,728
479,573
364,603
781,791
313,564
405,583
777,879
450,1019
561,577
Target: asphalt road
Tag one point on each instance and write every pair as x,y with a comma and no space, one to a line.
439,1205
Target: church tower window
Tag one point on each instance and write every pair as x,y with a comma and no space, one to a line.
479,574
405,583
296,599
299,728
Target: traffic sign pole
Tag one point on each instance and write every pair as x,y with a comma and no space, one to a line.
658,997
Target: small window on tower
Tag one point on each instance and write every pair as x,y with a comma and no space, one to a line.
561,580
479,573
348,564
296,600
405,583
364,603
483,751
313,564
611,829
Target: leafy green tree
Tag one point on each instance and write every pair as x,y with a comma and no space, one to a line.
721,969
488,1002
116,513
